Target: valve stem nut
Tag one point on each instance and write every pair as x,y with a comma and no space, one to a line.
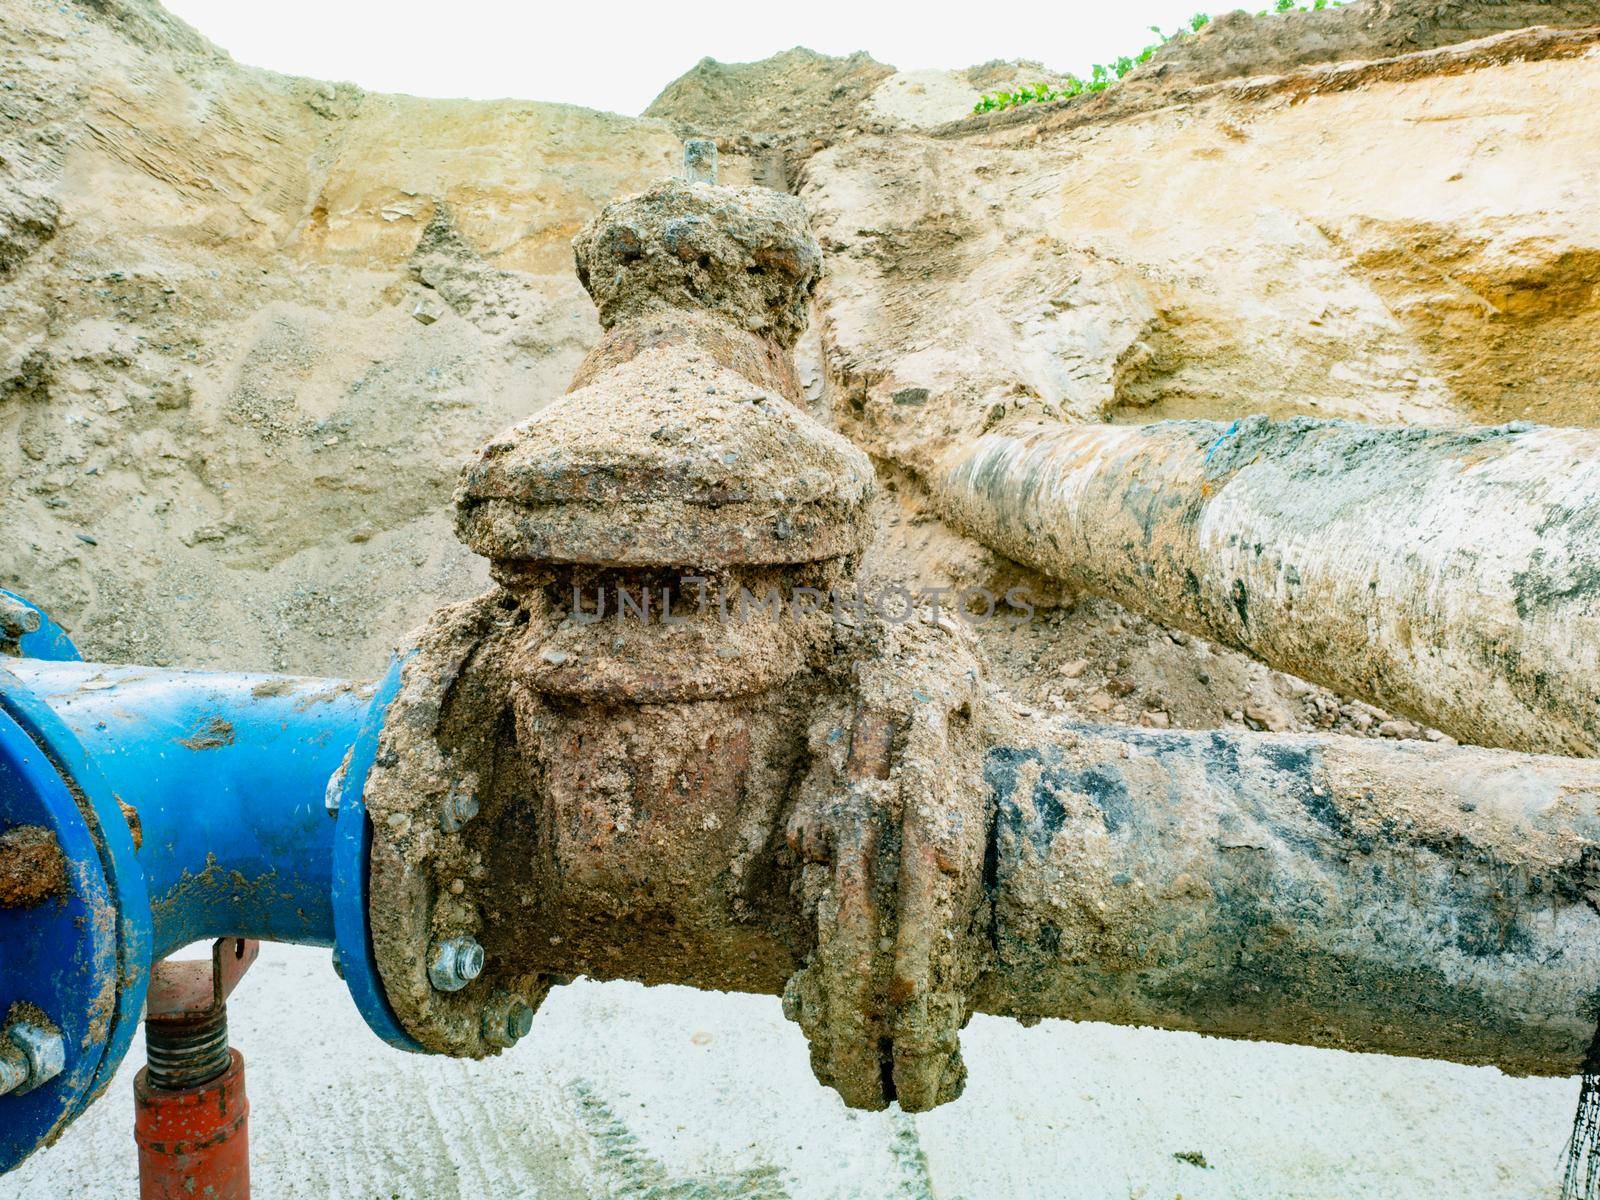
454,963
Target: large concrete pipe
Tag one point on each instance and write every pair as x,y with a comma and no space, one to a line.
1452,575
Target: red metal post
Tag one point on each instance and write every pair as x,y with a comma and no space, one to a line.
191,1116
194,1142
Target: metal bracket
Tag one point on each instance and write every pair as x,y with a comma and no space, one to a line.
194,987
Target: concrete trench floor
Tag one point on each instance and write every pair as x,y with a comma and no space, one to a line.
630,1093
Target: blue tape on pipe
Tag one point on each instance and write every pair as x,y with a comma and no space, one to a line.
1217,445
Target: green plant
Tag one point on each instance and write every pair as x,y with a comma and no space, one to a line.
1102,76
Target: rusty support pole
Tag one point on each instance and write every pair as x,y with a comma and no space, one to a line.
191,1114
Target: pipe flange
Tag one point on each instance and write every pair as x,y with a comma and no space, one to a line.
892,828
667,460
430,815
74,929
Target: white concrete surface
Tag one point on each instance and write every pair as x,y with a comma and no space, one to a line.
626,1093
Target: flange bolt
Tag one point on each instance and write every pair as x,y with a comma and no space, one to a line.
507,1021
30,1055
459,807
519,1022
13,1073
16,621
455,963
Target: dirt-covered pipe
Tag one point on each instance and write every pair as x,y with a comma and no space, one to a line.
1449,575
1404,899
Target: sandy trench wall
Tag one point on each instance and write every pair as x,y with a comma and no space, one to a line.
1397,251
253,324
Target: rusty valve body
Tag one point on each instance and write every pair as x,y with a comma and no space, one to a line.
686,768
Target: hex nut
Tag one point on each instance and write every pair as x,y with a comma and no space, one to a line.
519,1021
455,963
42,1051
332,794
459,807
507,1020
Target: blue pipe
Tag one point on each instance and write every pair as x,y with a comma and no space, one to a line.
225,776
190,805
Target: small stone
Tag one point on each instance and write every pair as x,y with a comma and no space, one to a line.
1359,718
1268,716
554,656
1071,670
1100,702
1399,729
1155,718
